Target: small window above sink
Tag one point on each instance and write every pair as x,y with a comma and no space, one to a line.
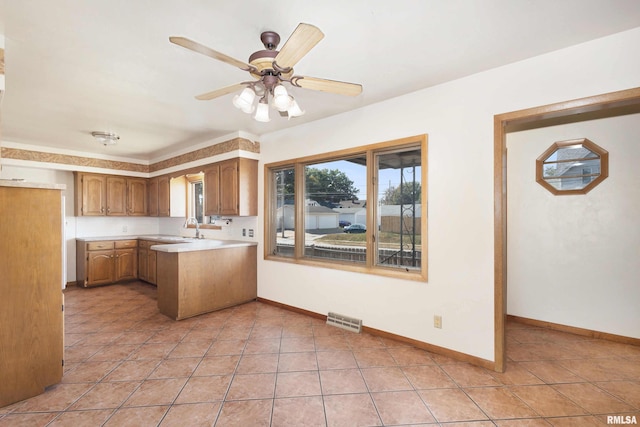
572,167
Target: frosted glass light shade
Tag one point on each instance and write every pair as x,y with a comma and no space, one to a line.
281,99
262,112
294,110
244,101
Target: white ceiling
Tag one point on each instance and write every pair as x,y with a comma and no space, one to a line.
76,66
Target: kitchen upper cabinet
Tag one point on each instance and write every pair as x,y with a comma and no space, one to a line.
110,195
231,188
212,190
164,191
159,191
116,196
137,196
91,195
152,197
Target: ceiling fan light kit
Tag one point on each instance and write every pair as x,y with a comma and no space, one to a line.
244,101
262,112
271,68
105,138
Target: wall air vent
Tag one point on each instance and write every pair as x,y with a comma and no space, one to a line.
344,322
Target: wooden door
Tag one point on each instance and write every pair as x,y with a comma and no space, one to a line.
152,197
137,196
94,195
164,206
31,316
229,204
212,191
126,264
99,267
116,196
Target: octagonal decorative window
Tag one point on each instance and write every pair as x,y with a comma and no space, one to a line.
572,167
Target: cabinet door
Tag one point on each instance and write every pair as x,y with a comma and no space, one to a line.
99,267
152,266
212,191
152,197
229,204
126,264
143,264
116,195
164,206
94,195
137,196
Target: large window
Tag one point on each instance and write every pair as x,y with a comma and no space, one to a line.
361,209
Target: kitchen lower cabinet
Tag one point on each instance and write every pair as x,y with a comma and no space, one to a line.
99,269
147,261
106,261
126,264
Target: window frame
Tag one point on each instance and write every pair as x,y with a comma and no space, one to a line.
191,181
602,156
370,266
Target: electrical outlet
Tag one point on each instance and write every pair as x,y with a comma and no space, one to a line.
251,232
244,232
124,228
437,322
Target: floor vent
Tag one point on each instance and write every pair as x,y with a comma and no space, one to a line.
344,322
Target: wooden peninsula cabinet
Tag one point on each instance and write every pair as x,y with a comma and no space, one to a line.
31,281
106,261
200,280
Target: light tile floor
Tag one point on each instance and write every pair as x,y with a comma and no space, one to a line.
257,365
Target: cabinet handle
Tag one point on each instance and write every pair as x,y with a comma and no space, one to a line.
108,210
102,209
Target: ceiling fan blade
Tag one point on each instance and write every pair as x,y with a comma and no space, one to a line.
197,47
220,92
301,41
324,85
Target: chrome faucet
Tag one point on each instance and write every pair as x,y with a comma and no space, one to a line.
193,220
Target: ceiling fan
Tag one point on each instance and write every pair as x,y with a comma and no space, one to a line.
271,68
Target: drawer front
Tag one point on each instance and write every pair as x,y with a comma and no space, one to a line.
99,246
126,244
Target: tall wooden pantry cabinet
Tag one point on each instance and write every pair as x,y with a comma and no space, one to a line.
31,302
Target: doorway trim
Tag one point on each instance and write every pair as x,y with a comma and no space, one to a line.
593,107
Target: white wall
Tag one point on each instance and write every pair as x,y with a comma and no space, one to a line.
575,260
458,117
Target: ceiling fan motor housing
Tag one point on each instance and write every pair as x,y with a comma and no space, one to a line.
270,40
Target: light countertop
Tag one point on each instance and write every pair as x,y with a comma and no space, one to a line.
201,245
168,243
158,237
